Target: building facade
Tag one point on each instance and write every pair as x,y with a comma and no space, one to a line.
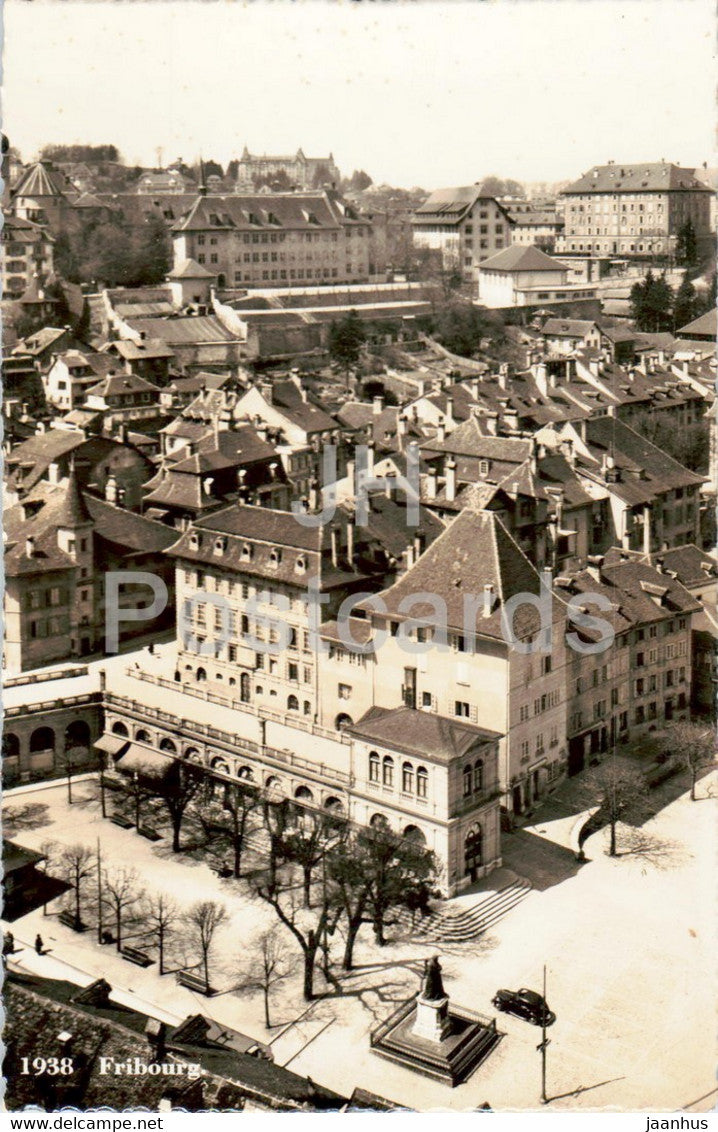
464,227
634,210
303,172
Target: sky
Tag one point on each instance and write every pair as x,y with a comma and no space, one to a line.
425,93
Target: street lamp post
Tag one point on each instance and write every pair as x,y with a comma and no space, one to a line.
544,1044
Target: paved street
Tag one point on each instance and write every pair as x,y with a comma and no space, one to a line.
629,944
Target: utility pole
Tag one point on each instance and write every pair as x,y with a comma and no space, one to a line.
543,1044
99,893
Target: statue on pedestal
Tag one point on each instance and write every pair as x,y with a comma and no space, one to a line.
433,987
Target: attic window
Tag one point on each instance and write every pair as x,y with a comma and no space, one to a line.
275,556
220,545
194,542
301,564
483,467
247,552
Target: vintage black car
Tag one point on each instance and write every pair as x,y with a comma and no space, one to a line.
525,1004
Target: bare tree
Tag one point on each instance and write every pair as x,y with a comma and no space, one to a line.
203,919
271,965
76,863
160,913
120,890
182,784
692,747
621,793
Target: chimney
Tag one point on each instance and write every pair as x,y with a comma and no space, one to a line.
568,451
533,457
350,542
370,458
432,484
475,387
351,479
390,483
450,473
30,547
449,414
335,546
593,566
607,463
378,406
190,448
419,544
156,1034
441,432
489,598
207,483
53,472
314,496
122,434
265,388
610,410
647,529
111,490
541,376
492,424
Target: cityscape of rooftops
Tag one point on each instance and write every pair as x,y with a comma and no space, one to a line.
360,558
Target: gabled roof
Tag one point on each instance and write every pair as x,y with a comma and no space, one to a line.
521,257
645,469
117,383
307,211
656,176
135,533
420,733
474,551
567,327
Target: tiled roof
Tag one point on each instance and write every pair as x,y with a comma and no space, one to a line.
521,257
136,533
420,733
567,327
645,470
474,551
44,180
307,211
467,439
183,331
190,269
657,176
149,347
706,324
692,566
117,383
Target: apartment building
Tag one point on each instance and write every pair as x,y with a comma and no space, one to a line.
642,681
27,253
634,210
257,240
465,579
463,226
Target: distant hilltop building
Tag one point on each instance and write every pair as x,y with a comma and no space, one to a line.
301,171
634,210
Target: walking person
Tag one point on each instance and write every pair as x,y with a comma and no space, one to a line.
39,945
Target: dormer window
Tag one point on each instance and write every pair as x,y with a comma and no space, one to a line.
194,542
275,556
220,545
301,565
483,467
247,552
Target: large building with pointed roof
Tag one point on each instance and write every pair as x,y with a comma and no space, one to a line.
634,211
254,170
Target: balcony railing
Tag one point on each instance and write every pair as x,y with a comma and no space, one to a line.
231,744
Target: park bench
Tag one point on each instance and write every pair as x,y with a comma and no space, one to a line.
134,955
194,982
150,834
68,919
123,822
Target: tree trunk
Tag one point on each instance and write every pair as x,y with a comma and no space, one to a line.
612,848
310,954
118,928
161,947
77,901
353,926
267,1023
238,840
694,776
205,964
176,827
307,870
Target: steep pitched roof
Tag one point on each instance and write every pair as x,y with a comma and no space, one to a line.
474,551
705,324
567,327
43,179
646,470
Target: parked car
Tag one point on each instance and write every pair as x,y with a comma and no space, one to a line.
525,1004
